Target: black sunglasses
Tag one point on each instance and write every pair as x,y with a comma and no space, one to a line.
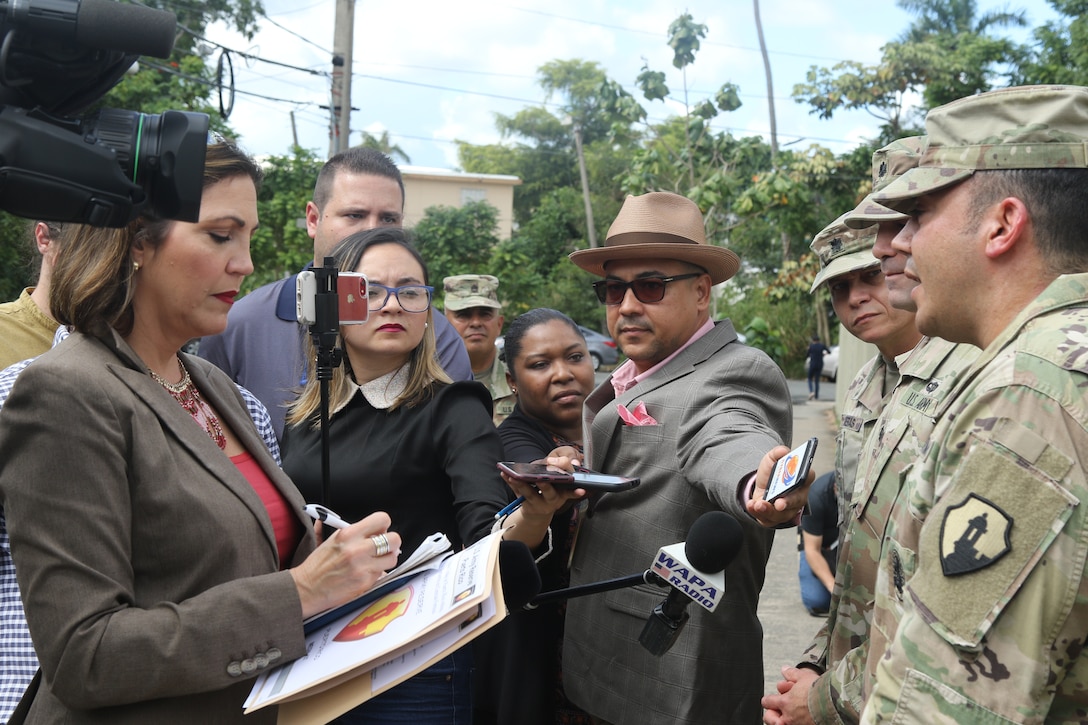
646,289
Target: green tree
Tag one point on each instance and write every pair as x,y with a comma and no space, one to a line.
948,52
966,57
758,202
385,145
281,246
532,265
542,157
457,240
17,256
681,146
881,89
549,212
1060,53
578,83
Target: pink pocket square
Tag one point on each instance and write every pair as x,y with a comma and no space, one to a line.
638,416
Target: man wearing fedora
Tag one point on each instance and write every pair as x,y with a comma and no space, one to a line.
691,413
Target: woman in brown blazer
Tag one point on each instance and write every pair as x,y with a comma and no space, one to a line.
162,556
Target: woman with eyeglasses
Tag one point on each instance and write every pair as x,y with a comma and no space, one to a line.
405,440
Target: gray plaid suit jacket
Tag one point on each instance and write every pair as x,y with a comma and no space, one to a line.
720,406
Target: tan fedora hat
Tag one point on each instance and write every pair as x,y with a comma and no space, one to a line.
659,225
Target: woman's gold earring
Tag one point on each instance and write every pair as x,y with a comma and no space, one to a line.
135,266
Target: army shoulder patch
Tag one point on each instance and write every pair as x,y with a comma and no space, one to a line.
974,534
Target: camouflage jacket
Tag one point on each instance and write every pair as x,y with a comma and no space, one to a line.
927,374
502,397
863,404
983,597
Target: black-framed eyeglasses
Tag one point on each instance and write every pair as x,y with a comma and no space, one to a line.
646,289
410,297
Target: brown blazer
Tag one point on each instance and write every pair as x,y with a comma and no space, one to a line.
720,406
146,561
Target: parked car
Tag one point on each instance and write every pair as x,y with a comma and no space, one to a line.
602,348
831,365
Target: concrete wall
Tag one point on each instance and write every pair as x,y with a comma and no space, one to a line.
425,188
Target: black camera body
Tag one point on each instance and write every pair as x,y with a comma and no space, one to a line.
57,57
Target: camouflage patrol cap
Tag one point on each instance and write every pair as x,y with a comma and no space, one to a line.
889,163
471,290
842,249
1028,127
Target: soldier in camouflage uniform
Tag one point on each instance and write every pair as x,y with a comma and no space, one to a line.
981,609
472,306
853,277
900,425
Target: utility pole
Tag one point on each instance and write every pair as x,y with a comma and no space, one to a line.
591,228
342,41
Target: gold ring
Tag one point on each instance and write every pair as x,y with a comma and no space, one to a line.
381,545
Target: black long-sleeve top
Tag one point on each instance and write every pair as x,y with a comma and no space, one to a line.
431,467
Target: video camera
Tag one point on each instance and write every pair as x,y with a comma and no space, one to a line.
57,57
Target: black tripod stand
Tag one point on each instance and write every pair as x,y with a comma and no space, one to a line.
323,332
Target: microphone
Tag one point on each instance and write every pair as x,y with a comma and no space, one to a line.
695,572
519,575
128,28
101,24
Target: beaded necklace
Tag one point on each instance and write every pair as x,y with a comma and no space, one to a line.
190,399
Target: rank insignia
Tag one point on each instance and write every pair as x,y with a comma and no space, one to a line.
974,534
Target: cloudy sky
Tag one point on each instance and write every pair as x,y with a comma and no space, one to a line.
429,72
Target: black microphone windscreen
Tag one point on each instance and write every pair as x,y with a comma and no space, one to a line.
128,28
520,577
713,541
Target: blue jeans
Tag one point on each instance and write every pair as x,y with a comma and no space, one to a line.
814,380
439,695
814,594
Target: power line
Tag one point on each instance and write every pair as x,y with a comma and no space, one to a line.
454,90
532,102
206,82
492,74
251,56
301,9
300,37
658,35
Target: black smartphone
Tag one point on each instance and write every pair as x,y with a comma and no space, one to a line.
581,478
791,470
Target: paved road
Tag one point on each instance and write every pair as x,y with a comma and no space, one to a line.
787,626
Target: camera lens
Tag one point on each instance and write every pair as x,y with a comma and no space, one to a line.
163,154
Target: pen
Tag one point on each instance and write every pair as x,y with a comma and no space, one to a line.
318,512
510,507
